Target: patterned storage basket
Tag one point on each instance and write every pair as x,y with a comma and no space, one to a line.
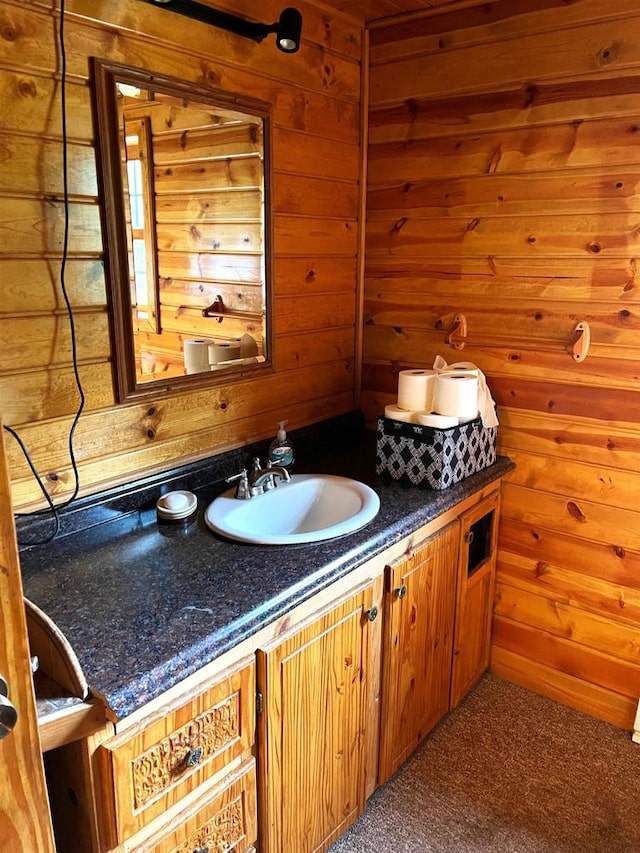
433,458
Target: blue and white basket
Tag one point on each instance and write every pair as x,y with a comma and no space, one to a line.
433,458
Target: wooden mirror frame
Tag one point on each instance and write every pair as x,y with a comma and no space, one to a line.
105,75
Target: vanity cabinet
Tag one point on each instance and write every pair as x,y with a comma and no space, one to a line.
313,685
349,682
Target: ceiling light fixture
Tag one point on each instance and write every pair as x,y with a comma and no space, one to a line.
287,29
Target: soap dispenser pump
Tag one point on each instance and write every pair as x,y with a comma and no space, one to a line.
281,448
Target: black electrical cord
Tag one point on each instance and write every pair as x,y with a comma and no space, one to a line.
55,508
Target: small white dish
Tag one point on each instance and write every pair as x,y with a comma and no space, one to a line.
176,505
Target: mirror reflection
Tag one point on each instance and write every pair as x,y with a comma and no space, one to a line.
185,193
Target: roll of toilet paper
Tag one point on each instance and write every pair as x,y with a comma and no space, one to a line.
415,389
396,413
196,355
226,351
431,419
461,367
456,395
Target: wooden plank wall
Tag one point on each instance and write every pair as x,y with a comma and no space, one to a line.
503,184
316,160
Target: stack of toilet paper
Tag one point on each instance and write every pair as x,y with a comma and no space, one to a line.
206,354
444,396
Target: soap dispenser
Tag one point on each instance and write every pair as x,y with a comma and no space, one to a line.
281,448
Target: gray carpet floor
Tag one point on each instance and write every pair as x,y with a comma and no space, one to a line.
513,772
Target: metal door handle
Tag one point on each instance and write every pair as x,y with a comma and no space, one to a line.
8,713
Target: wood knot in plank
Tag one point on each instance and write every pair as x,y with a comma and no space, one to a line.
399,225
8,32
531,93
327,75
494,161
576,512
633,268
607,54
27,89
412,108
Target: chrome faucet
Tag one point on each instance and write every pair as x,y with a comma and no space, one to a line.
262,480
259,480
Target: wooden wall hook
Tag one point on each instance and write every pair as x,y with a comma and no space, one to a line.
580,342
215,310
457,334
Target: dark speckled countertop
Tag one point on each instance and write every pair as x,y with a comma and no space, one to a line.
144,605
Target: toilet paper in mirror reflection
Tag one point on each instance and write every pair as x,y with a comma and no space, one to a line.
223,351
196,355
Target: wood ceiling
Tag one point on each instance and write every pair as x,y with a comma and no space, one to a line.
371,10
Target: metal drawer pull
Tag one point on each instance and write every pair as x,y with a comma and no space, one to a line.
193,757
372,613
401,591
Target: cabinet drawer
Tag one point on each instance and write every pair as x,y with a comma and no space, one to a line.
179,748
223,819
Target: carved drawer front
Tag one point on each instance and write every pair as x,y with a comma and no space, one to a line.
180,747
224,818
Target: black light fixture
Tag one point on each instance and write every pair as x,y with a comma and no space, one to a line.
287,29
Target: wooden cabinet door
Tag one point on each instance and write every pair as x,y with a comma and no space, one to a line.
311,730
25,824
476,583
417,648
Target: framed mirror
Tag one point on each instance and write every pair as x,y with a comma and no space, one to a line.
184,177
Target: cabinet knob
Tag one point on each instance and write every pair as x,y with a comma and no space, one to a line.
372,613
469,537
8,713
401,591
193,757
201,850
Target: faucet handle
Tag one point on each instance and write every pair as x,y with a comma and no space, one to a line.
242,490
257,465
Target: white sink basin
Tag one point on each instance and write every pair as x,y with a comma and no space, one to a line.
310,508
